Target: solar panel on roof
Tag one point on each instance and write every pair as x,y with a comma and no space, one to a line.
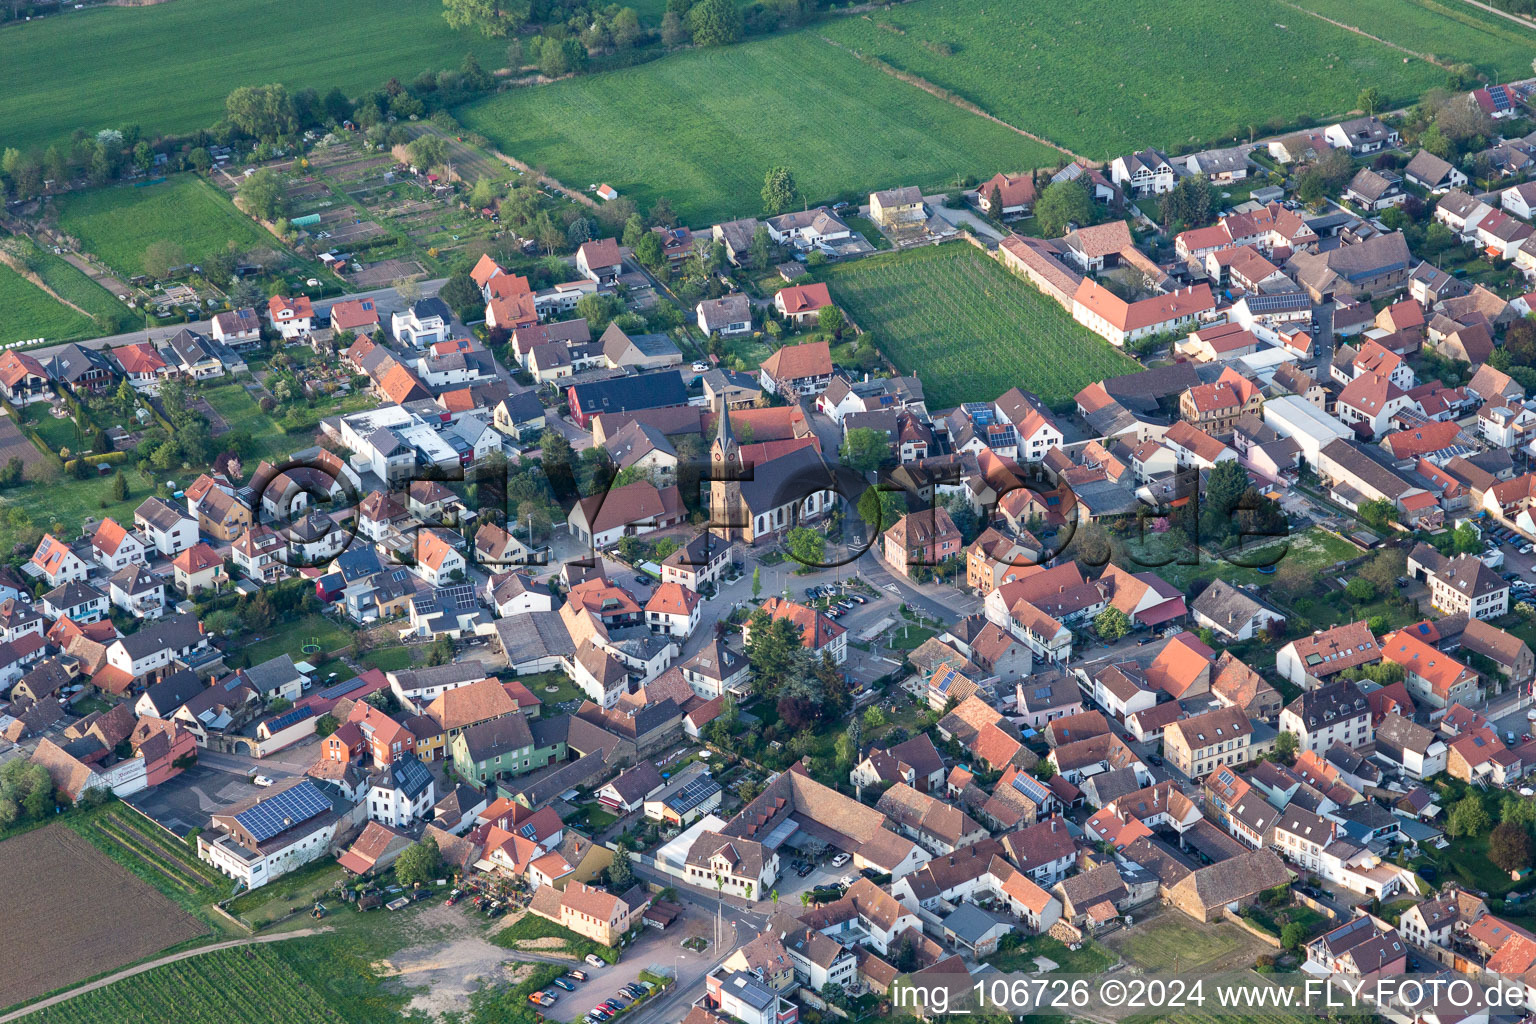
288,718
693,794
281,811
528,831
339,690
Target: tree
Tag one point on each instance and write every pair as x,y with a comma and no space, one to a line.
874,718
1360,590
263,195
441,651
806,546
651,252
558,57
1044,770
161,258
483,16
1378,513
1509,846
864,448
1286,745
119,487
264,112
1293,935
880,509
1062,204
621,873
757,582
774,651
1111,624
674,32
419,863
428,151
463,296
715,22
1468,818
830,319
1369,99
780,192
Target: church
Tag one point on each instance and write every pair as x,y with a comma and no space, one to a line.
760,502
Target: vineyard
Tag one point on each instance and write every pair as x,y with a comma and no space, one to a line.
154,855
972,329
242,985
72,913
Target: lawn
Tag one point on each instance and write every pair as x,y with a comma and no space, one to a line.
1172,943
702,128
532,932
389,659
1091,958
118,224
1316,547
1110,78
240,411
290,637
31,312
167,67
972,329
299,889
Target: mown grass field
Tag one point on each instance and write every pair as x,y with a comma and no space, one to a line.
1105,79
119,224
108,315
970,328
1450,30
31,312
702,128
168,67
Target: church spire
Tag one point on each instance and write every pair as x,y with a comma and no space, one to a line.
725,441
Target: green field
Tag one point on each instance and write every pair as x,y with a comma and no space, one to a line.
108,316
1104,79
1174,943
972,329
118,224
1450,30
168,67
703,127
31,312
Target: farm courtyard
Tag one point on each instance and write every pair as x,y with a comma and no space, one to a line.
971,327
72,913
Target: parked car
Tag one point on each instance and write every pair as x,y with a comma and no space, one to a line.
562,983
262,780
595,960
803,870
579,975
1157,762
840,860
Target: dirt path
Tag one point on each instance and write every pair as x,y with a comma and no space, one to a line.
955,101
1428,58
17,265
151,965
544,179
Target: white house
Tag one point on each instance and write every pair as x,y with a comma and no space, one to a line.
426,322
292,318
167,528
402,793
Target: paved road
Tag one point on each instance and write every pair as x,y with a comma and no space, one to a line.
151,965
387,300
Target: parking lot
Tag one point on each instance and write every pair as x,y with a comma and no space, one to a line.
185,801
791,884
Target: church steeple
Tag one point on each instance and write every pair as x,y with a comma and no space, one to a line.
725,441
